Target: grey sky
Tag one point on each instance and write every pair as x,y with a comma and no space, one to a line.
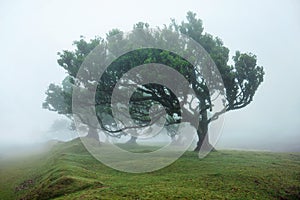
33,31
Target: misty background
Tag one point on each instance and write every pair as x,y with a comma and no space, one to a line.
32,32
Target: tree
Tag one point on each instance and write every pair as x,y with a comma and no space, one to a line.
241,80
61,129
59,125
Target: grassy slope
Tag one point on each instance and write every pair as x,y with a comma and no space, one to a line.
69,172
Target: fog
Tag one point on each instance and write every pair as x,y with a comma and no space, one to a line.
32,32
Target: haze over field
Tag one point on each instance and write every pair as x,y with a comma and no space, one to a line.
32,32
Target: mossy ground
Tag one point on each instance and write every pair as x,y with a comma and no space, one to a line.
68,171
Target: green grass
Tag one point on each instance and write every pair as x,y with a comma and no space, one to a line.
70,172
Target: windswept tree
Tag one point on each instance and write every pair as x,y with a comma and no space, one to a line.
240,80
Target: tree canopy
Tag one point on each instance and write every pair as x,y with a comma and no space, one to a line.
240,80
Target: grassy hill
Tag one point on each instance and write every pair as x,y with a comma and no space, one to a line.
68,171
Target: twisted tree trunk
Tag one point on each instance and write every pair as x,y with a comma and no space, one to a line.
132,140
93,134
202,133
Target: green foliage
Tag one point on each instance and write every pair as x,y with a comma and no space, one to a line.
241,80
